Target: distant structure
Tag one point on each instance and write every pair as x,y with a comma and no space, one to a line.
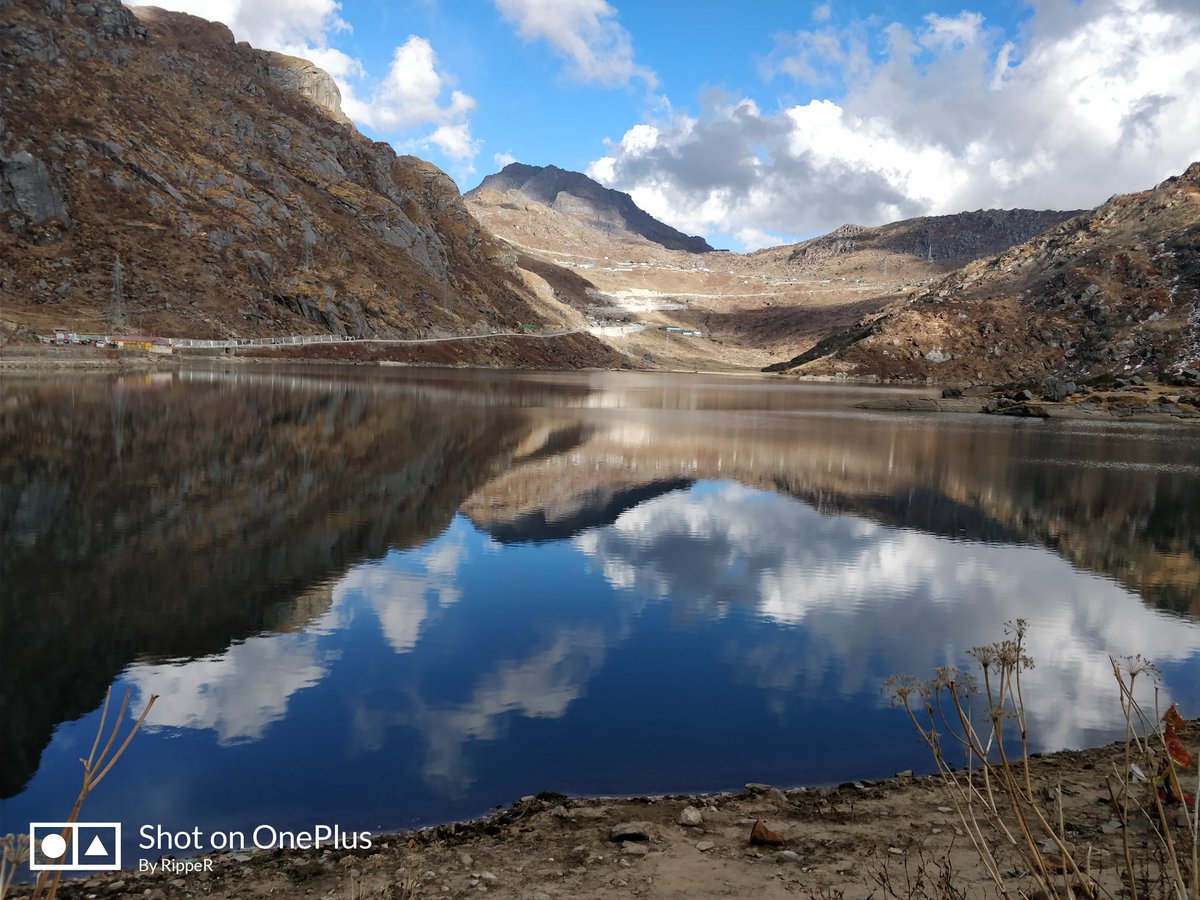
310,238
118,313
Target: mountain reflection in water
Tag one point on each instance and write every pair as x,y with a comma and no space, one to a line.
432,592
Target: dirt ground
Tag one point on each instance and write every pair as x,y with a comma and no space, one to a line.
858,840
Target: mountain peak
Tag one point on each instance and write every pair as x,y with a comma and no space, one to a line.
586,200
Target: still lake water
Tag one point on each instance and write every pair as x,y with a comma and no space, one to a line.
383,599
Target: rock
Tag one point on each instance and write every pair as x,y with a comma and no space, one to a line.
761,835
299,76
1056,389
949,392
907,773
1024,410
631,831
705,846
1022,396
26,186
757,787
788,856
938,355
691,817
465,860
629,848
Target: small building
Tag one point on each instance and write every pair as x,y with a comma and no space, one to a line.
132,342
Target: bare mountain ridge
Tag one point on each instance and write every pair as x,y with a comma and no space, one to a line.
237,196
956,239
1113,291
576,195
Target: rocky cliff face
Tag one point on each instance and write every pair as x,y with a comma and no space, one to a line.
955,239
612,213
1115,291
226,180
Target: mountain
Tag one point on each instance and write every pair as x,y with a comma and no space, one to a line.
576,197
237,197
1115,291
951,240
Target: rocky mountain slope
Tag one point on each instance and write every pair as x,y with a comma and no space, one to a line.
951,240
579,198
1114,291
236,196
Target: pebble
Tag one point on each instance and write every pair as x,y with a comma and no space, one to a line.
691,817
757,787
631,849
788,856
705,846
465,859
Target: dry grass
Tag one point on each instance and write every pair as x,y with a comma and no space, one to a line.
993,793
95,769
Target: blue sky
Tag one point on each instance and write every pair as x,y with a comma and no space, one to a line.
768,122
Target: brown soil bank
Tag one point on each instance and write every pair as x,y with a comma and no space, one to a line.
837,842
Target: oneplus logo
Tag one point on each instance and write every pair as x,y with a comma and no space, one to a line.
74,846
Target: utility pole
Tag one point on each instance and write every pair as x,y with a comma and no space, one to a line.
118,314
306,254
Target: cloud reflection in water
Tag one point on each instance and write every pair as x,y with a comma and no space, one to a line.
804,606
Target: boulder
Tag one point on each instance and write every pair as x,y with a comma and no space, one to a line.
1056,389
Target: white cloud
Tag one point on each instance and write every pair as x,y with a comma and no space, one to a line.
586,33
503,159
411,93
1095,99
414,94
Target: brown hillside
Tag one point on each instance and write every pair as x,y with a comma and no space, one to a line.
1114,291
238,198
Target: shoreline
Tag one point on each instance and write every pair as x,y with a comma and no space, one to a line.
837,841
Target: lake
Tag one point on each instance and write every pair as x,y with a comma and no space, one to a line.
386,598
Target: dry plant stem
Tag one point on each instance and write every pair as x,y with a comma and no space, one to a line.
1130,880
961,799
91,778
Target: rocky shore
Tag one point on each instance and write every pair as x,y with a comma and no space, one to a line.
834,842
1133,401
